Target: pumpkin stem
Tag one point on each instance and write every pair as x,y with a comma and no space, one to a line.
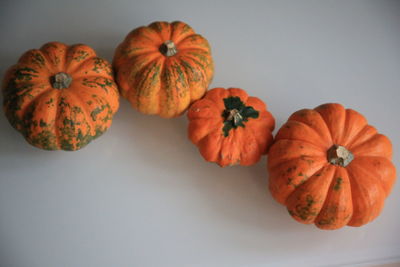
168,48
61,80
234,115
339,155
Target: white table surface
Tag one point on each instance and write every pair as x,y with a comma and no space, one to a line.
141,195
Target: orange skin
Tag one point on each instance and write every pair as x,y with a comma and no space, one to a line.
158,84
64,118
316,191
243,145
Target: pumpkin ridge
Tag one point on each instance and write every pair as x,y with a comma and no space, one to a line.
383,177
73,95
72,71
139,53
154,31
142,91
56,116
36,98
318,133
329,188
181,69
136,88
320,171
199,65
303,141
47,55
347,126
317,220
353,187
315,158
179,33
336,121
45,65
211,130
358,136
197,48
366,173
185,60
253,133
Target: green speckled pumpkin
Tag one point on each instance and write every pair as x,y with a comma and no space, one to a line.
162,68
59,96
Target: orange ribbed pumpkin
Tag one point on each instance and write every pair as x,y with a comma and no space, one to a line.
59,96
330,168
163,67
229,127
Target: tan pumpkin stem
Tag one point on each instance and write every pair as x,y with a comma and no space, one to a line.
234,115
339,155
61,80
168,48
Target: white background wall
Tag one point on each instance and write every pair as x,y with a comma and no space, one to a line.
141,195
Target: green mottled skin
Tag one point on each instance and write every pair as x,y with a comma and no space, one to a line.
304,212
60,118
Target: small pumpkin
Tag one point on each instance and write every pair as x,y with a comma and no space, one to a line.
229,127
330,168
60,96
163,67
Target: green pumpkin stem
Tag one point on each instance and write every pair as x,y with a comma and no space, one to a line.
236,113
339,155
168,48
61,80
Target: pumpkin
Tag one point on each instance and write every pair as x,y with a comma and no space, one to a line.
330,168
163,68
229,127
60,96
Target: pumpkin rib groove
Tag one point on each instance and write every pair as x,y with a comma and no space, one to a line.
185,42
54,65
347,126
57,115
315,130
356,136
78,66
46,63
135,91
179,34
365,141
329,189
198,64
139,54
316,159
200,68
325,224
321,108
303,141
253,133
321,170
370,217
198,49
210,131
146,65
36,98
82,104
157,62
377,180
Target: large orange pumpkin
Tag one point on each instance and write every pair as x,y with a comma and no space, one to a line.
59,96
330,168
163,68
230,127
